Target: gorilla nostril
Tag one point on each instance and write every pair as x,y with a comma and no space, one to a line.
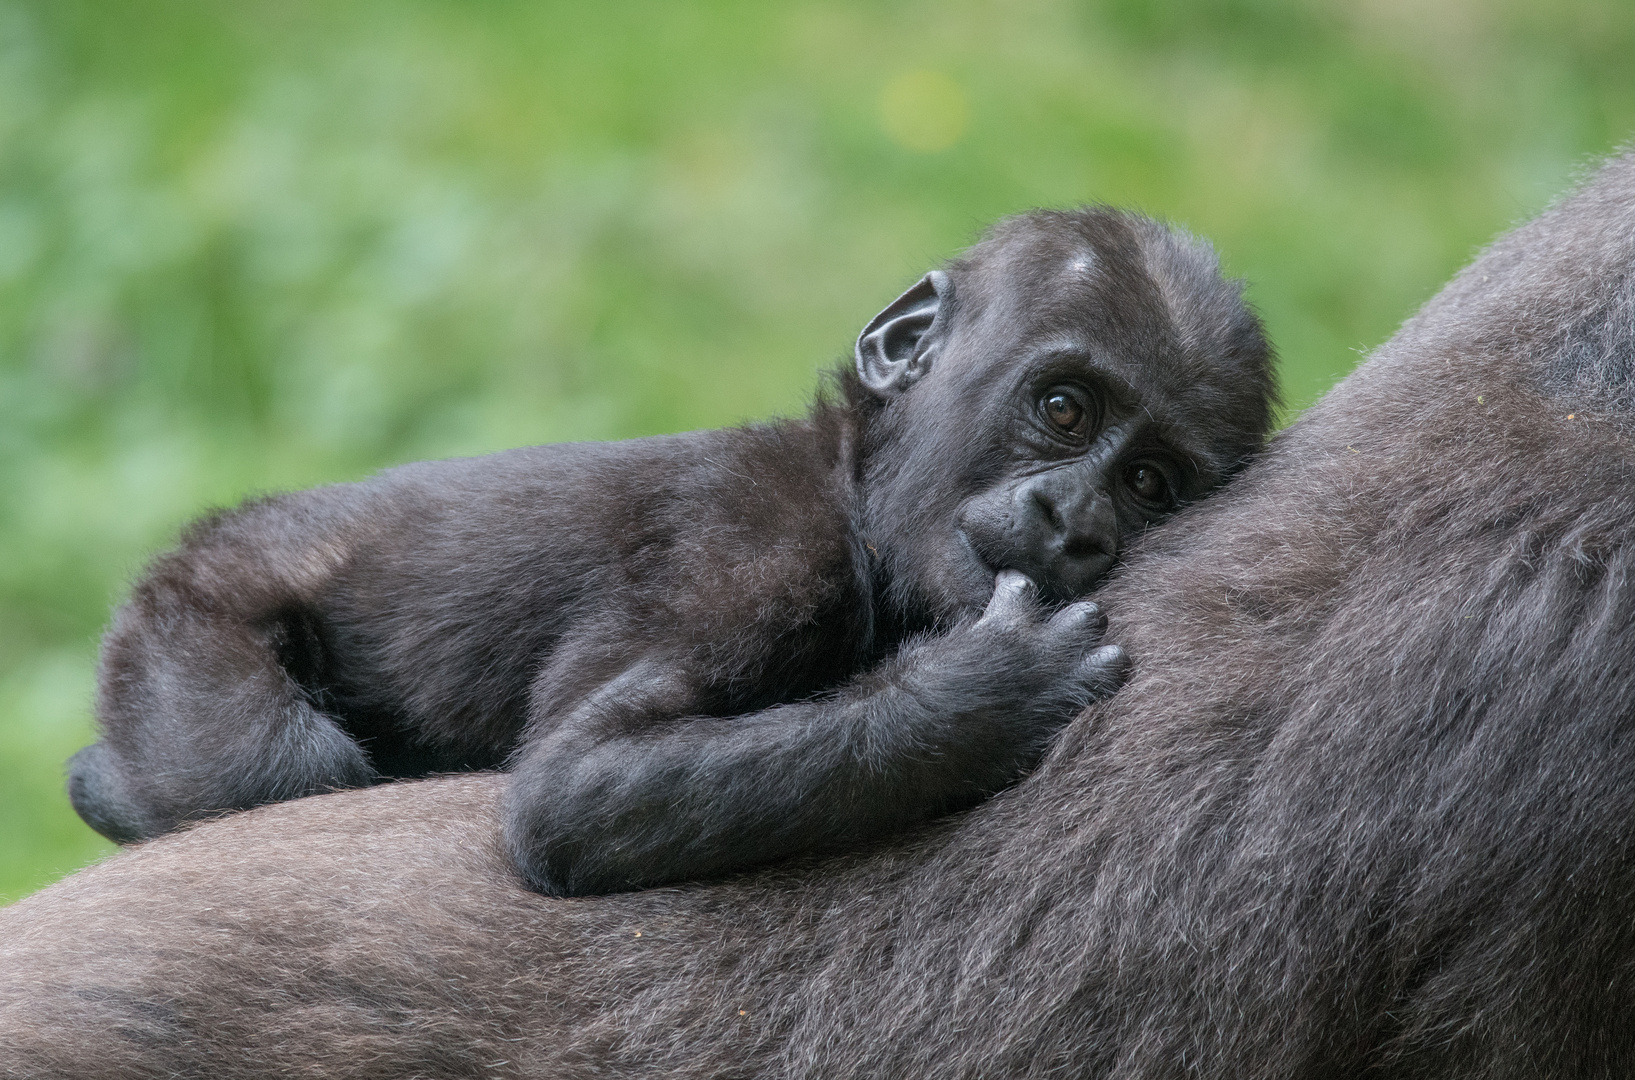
1048,509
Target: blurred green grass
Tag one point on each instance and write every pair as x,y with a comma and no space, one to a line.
275,243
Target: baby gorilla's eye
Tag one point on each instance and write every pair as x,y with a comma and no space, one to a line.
1064,411
1149,483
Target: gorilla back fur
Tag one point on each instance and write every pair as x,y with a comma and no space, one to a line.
1365,808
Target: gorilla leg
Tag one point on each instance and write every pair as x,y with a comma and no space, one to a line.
96,787
200,716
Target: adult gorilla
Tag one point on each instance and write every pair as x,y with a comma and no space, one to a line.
1366,806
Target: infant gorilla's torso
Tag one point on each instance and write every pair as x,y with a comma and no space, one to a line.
461,589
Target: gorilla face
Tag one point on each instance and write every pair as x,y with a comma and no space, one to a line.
1085,468
1044,406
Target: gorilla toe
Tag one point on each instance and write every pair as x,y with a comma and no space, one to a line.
97,790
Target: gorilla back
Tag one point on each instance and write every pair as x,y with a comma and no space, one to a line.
1364,808
704,652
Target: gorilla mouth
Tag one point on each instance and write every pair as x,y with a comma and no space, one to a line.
991,565
978,567
1084,572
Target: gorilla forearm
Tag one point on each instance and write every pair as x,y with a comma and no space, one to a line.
609,801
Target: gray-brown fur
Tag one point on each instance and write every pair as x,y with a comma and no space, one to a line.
1364,808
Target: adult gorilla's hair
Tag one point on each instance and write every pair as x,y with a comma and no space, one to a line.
1366,806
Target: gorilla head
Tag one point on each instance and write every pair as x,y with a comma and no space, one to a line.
1076,377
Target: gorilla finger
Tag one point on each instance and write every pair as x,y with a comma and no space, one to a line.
1084,617
1104,670
1013,593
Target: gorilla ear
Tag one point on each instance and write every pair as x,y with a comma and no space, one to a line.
894,350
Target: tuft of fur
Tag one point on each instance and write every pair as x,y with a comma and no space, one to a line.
1363,809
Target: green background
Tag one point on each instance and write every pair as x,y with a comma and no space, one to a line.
260,244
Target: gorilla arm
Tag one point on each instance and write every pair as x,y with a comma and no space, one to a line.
623,795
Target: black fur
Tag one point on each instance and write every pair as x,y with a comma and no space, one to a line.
703,652
1364,809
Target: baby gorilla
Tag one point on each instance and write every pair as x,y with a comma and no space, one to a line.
699,653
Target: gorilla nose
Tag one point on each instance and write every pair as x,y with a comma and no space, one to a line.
1068,534
1072,536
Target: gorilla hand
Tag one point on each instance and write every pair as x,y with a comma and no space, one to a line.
1021,671
946,722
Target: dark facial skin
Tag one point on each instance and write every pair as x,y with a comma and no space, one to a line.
1099,474
706,652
